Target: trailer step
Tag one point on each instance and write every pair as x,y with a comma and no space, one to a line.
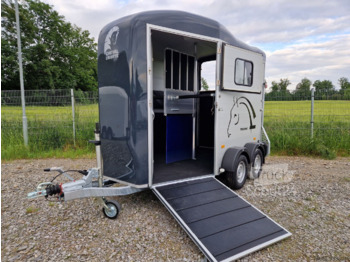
222,224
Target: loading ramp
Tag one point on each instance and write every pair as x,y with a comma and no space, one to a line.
222,224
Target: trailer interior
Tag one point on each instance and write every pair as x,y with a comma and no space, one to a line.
183,124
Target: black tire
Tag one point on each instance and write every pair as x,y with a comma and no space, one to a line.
257,163
114,209
237,178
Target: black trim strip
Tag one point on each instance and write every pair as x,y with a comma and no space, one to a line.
169,199
233,227
248,243
233,210
182,184
206,203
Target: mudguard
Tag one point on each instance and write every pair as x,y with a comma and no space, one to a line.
231,156
251,147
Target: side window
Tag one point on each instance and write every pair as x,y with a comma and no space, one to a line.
243,72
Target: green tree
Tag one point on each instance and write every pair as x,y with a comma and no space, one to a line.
344,83
302,90
204,84
56,54
323,86
344,88
274,86
324,89
283,84
304,85
279,90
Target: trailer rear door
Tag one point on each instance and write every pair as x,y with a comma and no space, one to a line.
222,224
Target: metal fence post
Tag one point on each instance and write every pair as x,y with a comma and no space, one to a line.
24,117
73,114
312,112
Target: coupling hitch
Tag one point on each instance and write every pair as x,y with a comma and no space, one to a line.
46,189
52,189
91,185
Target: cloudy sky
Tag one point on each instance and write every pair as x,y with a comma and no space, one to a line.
301,38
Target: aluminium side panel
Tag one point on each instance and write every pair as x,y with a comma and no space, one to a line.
239,107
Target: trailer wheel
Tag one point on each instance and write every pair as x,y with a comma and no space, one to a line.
113,209
237,178
257,163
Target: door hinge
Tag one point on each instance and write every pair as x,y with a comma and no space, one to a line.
219,50
218,82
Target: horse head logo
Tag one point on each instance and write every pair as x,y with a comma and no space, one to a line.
110,47
113,40
235,113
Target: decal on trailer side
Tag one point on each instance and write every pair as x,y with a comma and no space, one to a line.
234,113
111,48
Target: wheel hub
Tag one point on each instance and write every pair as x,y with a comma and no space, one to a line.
257,165
111,211
241,169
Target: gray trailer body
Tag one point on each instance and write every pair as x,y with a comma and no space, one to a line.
128,79
159,130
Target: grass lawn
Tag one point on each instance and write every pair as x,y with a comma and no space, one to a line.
288,126
286,122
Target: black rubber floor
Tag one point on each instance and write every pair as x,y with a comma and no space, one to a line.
222,223
203,165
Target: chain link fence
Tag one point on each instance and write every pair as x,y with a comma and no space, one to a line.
54,125
298,124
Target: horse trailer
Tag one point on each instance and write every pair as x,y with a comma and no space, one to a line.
159,129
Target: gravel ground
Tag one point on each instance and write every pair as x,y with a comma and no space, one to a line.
313,204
